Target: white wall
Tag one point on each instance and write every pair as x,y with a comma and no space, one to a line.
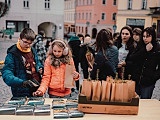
36,14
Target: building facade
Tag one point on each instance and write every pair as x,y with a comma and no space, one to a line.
46,15
69,16
139,13
94,15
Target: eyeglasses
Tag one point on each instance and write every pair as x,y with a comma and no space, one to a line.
26,43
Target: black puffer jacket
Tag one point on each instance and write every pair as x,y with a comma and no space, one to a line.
82,58
146,70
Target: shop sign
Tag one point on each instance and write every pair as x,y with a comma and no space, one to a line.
135,22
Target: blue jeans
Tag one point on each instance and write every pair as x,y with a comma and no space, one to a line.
145,92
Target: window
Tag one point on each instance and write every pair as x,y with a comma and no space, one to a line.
114,16
8,2
87,2
144,4
82,16
19,25
26,3
90,16
103,16
91,2
47,4
129,4
103,2
86,16
114,2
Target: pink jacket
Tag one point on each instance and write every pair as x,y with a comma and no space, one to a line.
53,79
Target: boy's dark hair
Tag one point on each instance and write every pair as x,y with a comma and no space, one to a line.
27,33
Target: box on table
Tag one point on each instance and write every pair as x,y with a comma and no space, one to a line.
8,109
122,108
42,109
35,101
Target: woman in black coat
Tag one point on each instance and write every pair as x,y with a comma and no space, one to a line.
146,60
74,44
82,55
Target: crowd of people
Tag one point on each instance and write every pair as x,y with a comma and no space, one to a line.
31,69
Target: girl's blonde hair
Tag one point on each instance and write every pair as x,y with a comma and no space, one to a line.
64,59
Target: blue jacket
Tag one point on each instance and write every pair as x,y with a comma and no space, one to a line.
14,72
107,66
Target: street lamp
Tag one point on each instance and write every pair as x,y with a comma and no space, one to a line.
114,28
87,24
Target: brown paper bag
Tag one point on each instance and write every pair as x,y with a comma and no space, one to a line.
109,80
125,92
96,89
121,91
113,90
104,90
69,81
118,91
86,89
131,89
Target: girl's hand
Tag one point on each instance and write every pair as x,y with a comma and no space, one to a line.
75,74
38,93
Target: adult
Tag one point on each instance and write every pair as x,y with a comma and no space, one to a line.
147,66
124,44
130,64
106,59
74,44
39,47
84,47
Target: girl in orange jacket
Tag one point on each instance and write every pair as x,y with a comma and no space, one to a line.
59,56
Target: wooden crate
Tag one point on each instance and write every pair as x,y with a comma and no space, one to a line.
121,108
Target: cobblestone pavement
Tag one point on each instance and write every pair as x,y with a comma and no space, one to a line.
5,91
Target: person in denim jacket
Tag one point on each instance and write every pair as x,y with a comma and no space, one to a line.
106,59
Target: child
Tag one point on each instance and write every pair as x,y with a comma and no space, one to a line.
22,66
59,55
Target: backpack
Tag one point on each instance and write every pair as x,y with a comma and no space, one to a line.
90,58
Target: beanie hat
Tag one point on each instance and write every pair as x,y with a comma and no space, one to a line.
74,38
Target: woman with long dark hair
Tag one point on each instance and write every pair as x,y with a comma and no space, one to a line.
147,63
106,59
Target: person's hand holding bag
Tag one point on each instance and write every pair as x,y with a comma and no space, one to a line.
75,75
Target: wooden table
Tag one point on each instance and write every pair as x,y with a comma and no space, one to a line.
149,109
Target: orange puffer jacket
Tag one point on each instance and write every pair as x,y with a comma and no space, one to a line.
53,79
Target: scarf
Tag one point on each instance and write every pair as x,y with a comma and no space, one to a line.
20,48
